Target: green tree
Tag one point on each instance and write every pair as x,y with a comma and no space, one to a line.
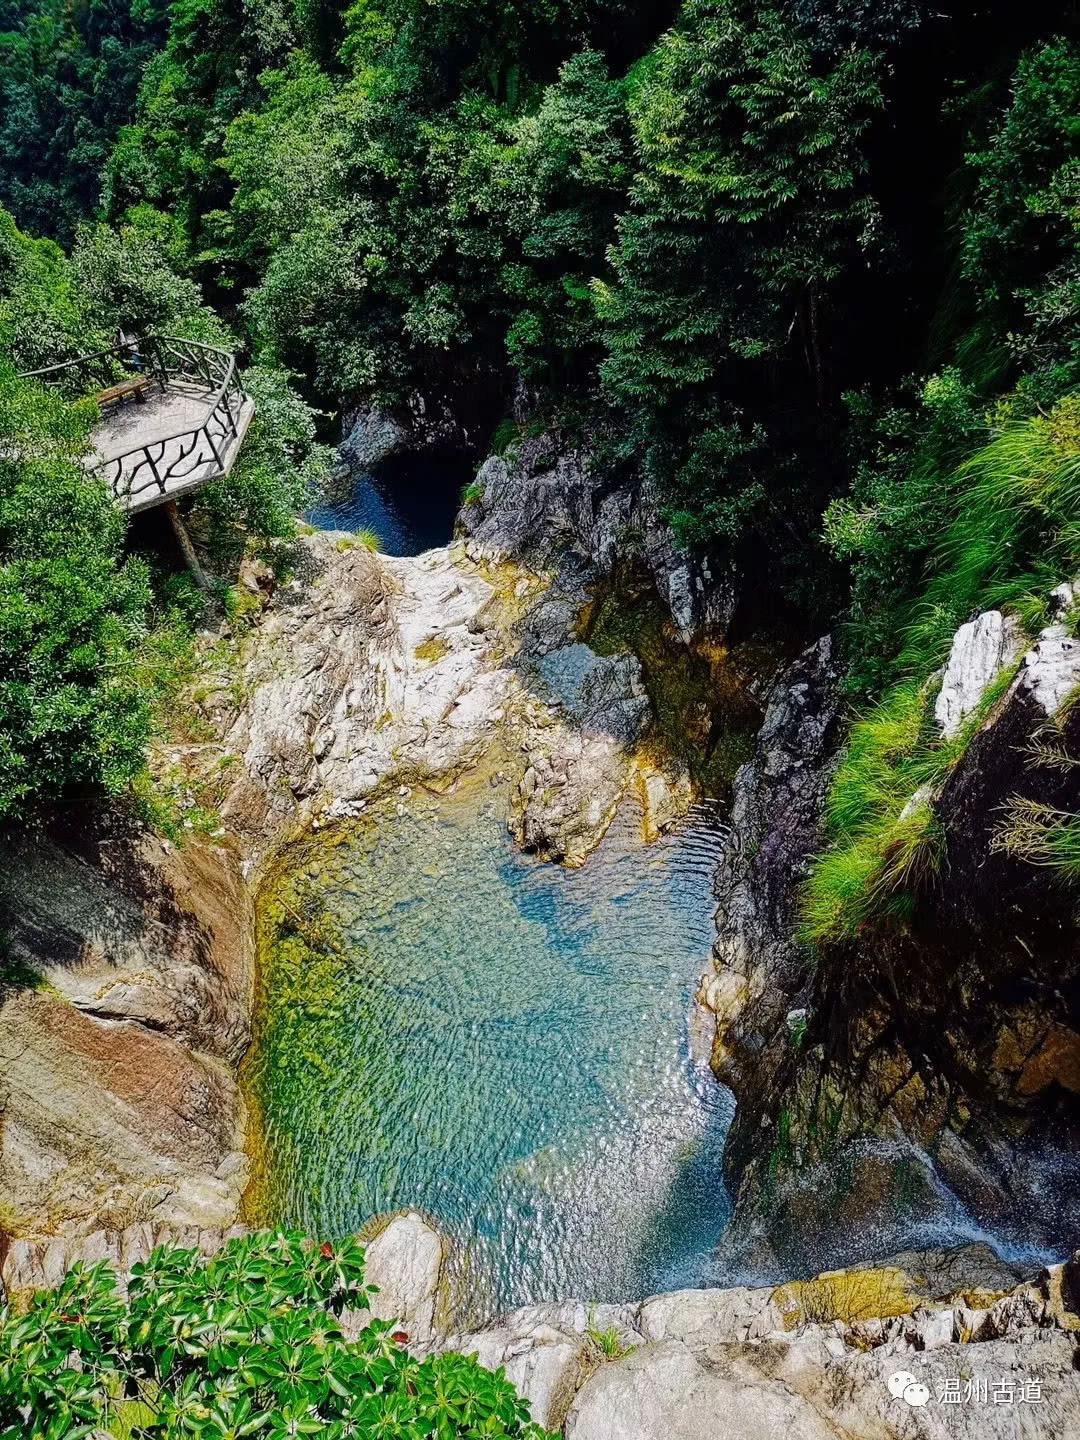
278,470
1019,273
904,455
1020,234
69,75
71,611
749,203
127,279
566,173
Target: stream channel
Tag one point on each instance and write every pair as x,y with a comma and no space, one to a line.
507,1045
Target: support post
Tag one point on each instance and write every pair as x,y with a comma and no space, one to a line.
184,539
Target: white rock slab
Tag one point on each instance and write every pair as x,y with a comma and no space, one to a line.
405,1261
711,1316
1052,668
663,1392
980,651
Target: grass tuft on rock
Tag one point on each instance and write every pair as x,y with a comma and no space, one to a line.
361,539
1041,835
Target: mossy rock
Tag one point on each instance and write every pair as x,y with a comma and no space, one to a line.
847,1295
704,717
432,649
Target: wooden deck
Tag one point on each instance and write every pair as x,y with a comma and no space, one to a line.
163,430
181,431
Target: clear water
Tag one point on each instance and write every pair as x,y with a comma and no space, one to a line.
516,1056
409,502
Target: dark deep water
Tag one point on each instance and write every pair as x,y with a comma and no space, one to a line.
409,502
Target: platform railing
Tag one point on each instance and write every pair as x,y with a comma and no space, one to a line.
183,364
103,368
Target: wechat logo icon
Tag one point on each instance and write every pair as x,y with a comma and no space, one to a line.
907,1387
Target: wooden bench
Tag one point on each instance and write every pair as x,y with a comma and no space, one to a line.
116,393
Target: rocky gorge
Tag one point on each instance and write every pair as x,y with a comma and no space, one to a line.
879,1092
902,1076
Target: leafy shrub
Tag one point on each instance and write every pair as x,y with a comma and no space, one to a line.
72,715
903,453
279,467
248,1343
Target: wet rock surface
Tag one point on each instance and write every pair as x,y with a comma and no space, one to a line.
404,1261
926,1076
811,1360
761,976
370,436
376,668
543,497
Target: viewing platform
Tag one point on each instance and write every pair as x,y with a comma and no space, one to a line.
174,415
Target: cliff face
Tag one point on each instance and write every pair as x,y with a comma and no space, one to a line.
929,1076
124,1008
542,498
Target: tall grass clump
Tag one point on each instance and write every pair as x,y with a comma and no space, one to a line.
1041,835
1014,531
884,839
361,539
1013,534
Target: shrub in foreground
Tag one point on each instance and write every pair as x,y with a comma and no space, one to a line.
248,1343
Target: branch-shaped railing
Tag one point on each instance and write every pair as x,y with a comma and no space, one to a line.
105,367
164,463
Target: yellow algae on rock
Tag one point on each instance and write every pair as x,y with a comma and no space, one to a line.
847,1295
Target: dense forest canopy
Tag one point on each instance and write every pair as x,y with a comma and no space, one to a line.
796,262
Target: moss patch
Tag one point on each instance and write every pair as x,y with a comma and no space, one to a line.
705,718
298,1029
847,1295
432,649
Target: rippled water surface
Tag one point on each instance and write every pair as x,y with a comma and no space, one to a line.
515,1055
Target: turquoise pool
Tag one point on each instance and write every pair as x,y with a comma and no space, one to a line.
515,1050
